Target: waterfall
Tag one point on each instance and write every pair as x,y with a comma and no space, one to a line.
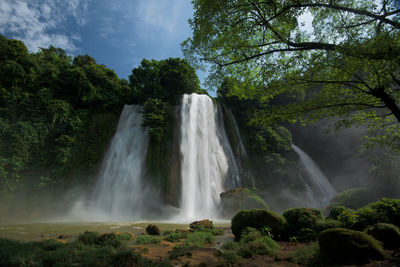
318,188
120,192
204,162
241,152
234,170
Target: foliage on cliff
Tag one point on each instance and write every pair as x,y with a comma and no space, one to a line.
57,114
159,86
269,154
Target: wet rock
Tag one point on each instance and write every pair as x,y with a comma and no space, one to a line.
238,199
201,224
153,229
340,244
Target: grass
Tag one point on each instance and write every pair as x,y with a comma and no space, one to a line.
174,237
199,238
146,240
308,255
252,242
90,249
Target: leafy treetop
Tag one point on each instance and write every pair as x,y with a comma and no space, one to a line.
346,66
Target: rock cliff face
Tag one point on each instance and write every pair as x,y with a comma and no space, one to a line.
172,196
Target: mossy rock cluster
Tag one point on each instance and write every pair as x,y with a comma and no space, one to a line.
238,199
382,211
388,234
340,245
203,224
259,219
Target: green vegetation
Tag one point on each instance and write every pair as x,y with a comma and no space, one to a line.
258,219
238,199
354,198
346,67
57,115
339,244
159,85
174,237
147,239
91,249
302,223
388,234
252,242
306,255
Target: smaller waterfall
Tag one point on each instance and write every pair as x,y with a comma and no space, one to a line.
242,154
120,192
318,188
204,163
234,171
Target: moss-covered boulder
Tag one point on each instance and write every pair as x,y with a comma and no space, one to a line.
238,199
153,229
302,223
340,244
353,198
203,224
259,219
388,234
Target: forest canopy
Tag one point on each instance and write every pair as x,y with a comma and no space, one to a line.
345,66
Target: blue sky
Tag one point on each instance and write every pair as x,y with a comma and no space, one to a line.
117,33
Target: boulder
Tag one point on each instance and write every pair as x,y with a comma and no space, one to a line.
259,219
203,224
238,199
153,229
340,244
388,234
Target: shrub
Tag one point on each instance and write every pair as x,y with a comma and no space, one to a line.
339,244
349,219
302,223
327,224
336,211
230,245
94,239
389,234
174,237
146,239
230,257
258,219
305,255
199,238
367,216
125,236
388,208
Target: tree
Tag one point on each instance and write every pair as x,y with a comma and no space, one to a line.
346,66
166,79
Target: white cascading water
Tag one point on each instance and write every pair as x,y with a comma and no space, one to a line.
120,192
204,163
319,190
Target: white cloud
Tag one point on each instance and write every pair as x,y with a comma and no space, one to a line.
145,18
161,14
39,23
